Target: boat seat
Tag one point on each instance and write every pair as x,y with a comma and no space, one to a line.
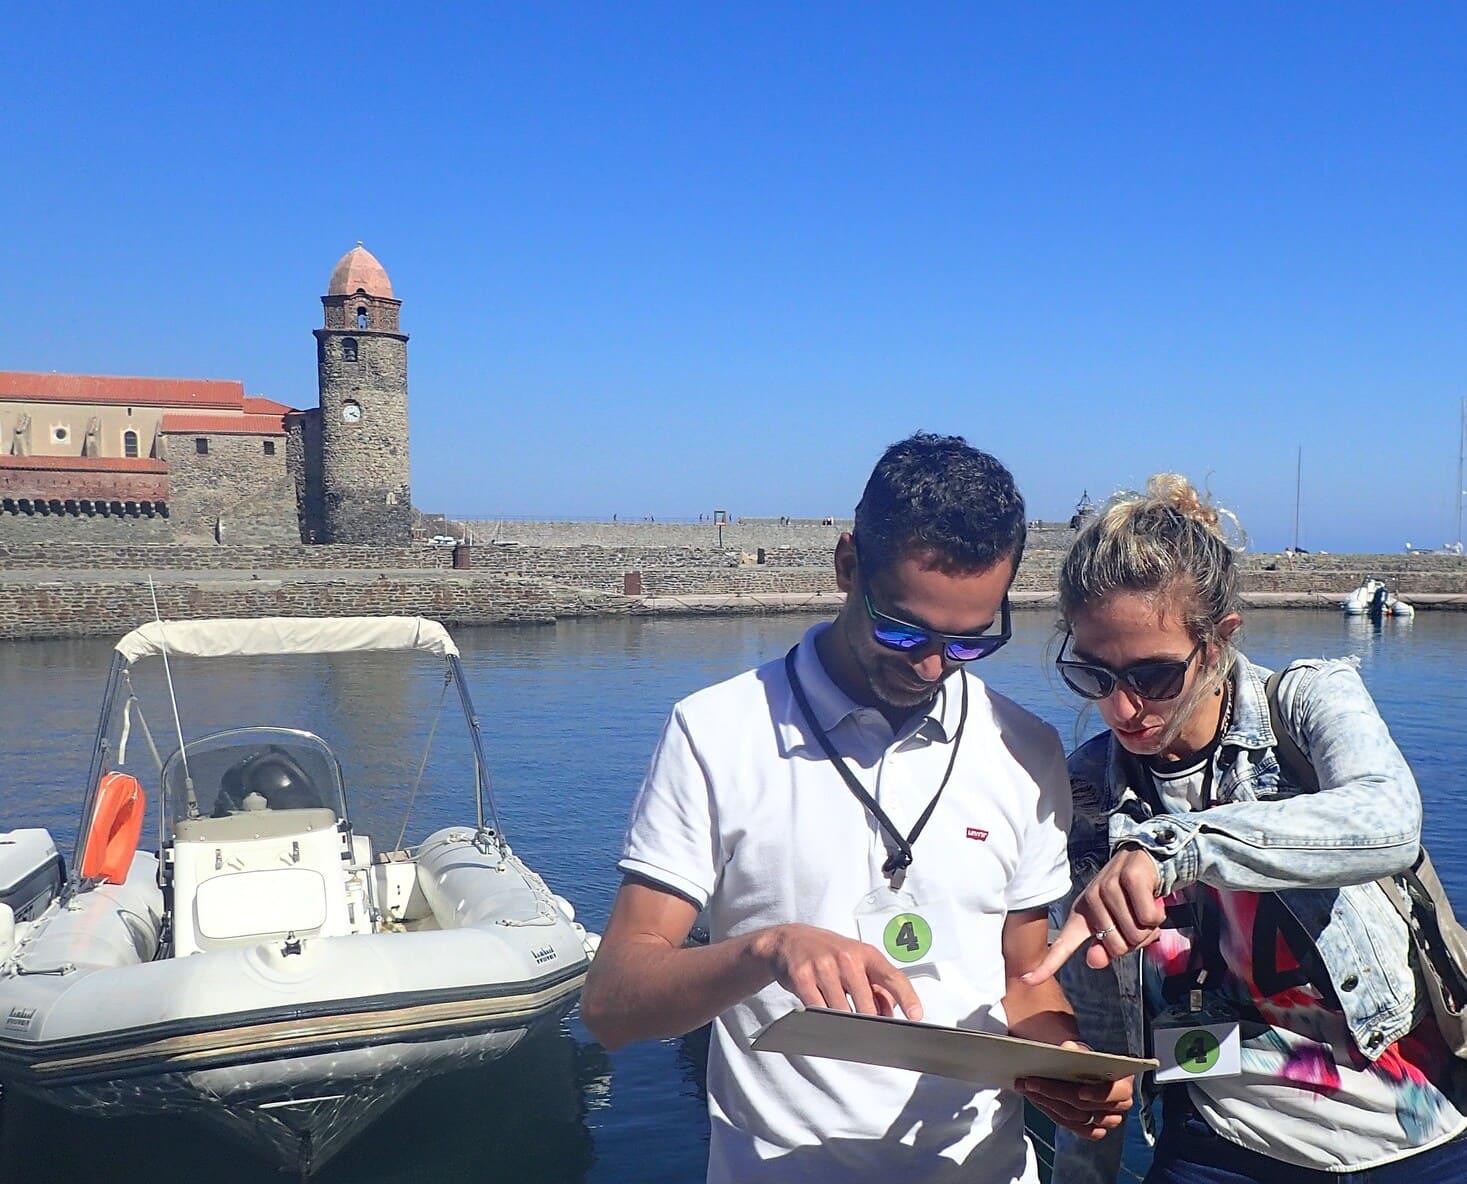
253,824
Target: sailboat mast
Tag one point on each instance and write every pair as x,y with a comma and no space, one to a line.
1298,484
1461,440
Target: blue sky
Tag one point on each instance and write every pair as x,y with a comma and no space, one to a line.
661,258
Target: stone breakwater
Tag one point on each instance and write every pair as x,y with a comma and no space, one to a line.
569,570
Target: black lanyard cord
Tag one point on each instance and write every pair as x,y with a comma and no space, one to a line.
900,859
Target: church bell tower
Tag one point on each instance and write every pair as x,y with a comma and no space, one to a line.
361,364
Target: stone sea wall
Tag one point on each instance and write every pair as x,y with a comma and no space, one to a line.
101,606
76,588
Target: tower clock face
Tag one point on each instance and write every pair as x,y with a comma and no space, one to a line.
351,412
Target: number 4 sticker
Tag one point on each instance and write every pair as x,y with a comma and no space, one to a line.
907,937
912,938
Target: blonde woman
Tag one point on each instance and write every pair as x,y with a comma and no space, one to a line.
1227,916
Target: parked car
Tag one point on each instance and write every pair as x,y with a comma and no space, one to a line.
443,540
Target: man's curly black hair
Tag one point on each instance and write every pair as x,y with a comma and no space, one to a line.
939,494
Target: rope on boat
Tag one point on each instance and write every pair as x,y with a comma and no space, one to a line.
423,764
127,709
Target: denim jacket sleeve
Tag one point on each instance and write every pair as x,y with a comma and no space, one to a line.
1266,834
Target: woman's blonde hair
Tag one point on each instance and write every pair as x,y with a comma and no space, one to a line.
1171,541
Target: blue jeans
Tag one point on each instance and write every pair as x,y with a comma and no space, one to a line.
1191,1152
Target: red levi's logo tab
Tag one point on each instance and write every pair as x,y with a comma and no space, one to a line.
975,833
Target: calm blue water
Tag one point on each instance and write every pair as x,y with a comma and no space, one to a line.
570,714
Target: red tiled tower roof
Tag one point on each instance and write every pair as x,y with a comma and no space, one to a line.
357,270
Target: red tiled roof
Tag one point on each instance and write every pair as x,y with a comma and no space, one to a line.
259,405
86,464
213,393
359,271
224,425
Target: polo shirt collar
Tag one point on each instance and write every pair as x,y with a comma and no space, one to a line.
832,706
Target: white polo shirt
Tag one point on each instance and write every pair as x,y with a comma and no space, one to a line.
742,813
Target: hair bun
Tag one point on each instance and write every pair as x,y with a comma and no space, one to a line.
1170,538
1174,490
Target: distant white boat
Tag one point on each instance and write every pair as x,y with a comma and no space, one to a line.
1358,603
1374,599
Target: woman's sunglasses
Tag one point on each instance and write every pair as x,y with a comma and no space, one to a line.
901,635
1157,679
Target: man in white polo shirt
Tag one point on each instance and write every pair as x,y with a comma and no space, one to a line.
863,802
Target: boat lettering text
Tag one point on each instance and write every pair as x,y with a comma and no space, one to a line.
20,1017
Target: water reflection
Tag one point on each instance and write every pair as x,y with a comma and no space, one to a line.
1367,632
571,713
522,1119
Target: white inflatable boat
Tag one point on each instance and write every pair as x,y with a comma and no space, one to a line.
264,970
1374,599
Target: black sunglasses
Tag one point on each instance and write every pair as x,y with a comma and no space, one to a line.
896,634
1157,679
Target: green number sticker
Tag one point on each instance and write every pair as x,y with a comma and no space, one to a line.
1197,1051
908,937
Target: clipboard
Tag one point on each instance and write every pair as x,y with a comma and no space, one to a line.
981,1058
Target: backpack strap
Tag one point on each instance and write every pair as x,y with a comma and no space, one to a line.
1291,757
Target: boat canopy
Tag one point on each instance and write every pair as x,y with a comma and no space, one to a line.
250,636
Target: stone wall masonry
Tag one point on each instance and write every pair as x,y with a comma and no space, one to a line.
37,533
303,464
749,536
677,568
365,494
235,481
50,588
26,555
74,608
744,534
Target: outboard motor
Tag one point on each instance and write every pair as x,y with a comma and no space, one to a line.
1377,609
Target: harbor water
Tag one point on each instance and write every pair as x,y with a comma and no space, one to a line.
570,714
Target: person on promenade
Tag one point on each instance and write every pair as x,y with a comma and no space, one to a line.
1213,892
810,807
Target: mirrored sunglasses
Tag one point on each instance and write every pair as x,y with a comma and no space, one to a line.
896,634
1157,679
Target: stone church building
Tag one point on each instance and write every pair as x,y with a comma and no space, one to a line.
96,458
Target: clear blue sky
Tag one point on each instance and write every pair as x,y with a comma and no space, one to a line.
661,258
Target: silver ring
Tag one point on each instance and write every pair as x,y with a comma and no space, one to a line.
1090,1121
1102,934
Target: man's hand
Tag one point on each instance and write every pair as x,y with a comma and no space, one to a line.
1118,912
1090,1109
646,984
825,969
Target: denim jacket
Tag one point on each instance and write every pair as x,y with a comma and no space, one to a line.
1320,852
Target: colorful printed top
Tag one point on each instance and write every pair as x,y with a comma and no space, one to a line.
1305,1095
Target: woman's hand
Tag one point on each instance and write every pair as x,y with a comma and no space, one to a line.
1118,912
1090,1108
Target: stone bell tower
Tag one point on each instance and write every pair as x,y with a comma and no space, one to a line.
361,363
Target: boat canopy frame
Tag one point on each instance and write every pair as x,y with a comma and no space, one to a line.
283,636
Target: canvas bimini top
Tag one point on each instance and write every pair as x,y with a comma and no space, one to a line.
252,636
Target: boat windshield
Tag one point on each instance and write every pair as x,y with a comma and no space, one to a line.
249,769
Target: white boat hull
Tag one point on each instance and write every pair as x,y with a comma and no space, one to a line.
295,1046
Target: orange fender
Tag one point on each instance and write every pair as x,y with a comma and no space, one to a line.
117,824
